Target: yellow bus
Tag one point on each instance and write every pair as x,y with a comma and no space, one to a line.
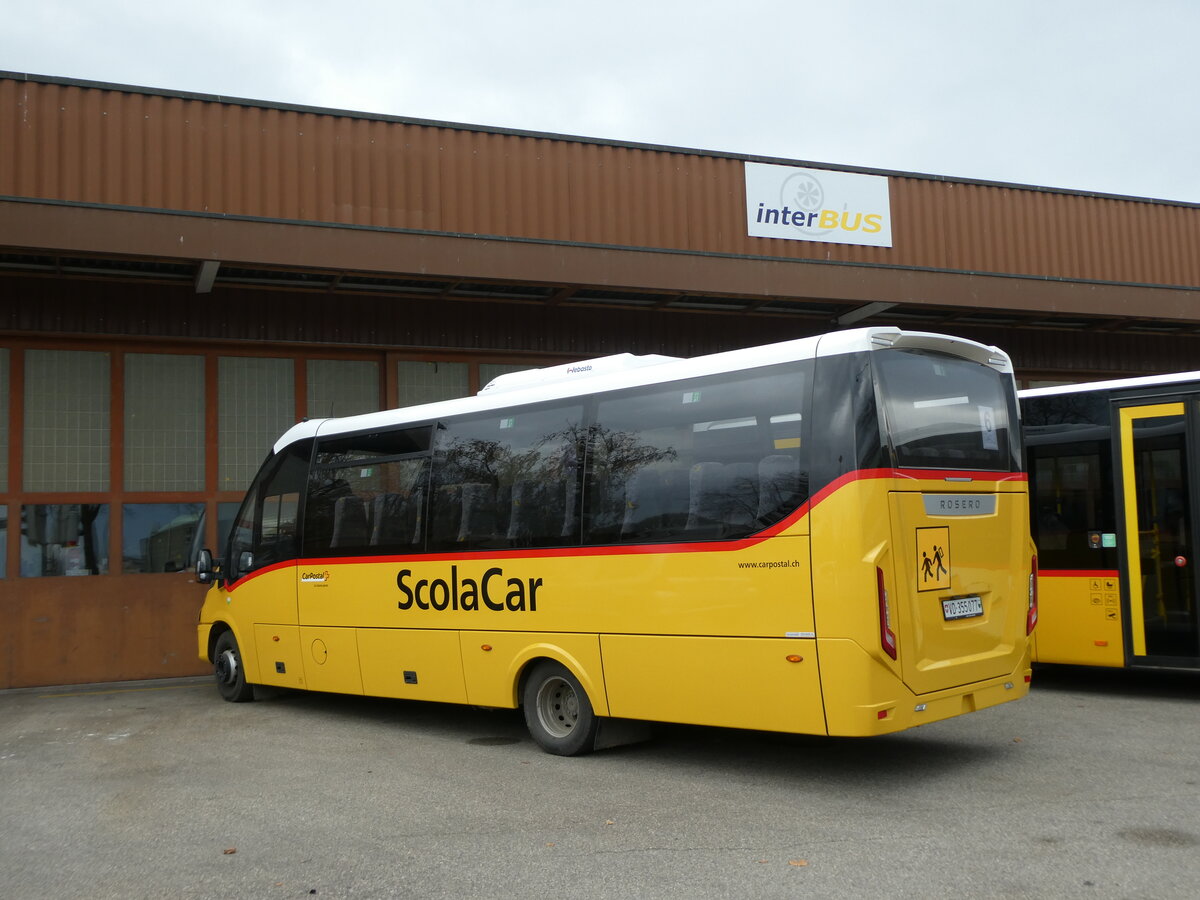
1114,477
824,536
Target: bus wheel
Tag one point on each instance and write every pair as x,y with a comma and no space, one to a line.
227,667
557,711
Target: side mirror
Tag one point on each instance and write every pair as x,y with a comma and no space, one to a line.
205,573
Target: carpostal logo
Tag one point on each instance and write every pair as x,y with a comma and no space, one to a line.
816,205
315,577
492,590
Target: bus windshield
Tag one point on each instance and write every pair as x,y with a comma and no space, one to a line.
945,412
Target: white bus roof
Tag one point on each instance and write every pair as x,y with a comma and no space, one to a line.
626,370
1113,385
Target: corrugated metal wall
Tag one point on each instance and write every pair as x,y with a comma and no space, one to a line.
110,146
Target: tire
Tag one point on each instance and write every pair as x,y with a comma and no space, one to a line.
558,712
228,670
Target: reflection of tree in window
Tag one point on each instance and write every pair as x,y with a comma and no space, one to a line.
544,489
465,501
475,460
1081,408
507,482
622,502
623,453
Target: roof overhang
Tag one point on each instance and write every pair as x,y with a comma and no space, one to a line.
93,241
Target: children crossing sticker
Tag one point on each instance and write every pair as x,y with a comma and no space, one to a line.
933,558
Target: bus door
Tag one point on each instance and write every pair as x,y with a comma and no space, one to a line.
260,567
363,511
1158,481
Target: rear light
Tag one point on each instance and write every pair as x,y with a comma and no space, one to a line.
887,637
1032,616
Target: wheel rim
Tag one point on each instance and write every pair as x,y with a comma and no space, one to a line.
227,667
557,707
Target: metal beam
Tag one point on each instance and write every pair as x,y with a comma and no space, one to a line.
563,293
863,312
206,275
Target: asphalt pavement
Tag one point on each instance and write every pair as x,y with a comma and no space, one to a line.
1090,787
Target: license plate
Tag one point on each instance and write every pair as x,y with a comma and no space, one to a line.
962,608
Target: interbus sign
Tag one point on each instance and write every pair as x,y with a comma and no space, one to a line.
817,205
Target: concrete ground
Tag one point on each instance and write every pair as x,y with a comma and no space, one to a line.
1090,787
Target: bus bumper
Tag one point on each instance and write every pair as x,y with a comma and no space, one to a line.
865,697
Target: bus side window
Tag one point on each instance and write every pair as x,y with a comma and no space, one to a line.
325,489
637,467
656,502
507,479
778,486
277,540
1069,504
741,502
349,522
479,512
723,498
391,520
445,518
266,529
685,461
526,500
240,555
394,508
366,493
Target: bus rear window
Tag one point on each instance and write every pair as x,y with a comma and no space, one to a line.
944,412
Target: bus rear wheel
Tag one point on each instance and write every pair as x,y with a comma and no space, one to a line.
558,712
228,670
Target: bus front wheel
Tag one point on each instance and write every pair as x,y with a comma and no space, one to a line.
558,712
228,670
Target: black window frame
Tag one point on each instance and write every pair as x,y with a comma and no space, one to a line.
295,453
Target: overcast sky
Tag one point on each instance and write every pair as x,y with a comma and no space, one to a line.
1090,95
